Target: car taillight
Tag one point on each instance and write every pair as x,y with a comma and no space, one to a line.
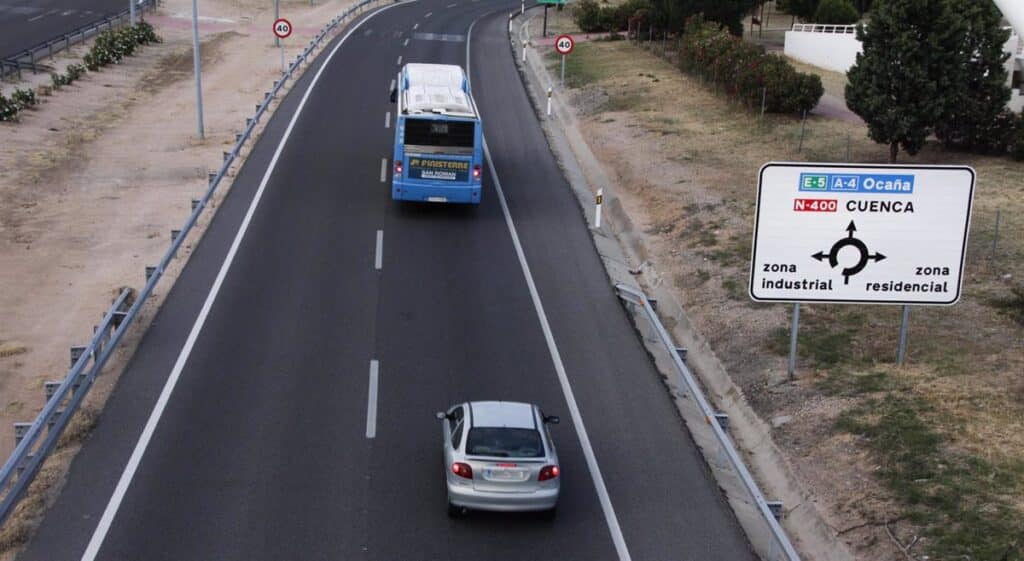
476,172
398,167
548,472
462,470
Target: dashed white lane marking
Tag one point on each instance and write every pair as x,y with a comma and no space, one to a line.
611,519
406,42
415,26
371,400
378,254
428,14
452,5
391,87
387,120
383,169
399,61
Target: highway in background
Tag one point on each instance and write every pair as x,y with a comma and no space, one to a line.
26,23
261,452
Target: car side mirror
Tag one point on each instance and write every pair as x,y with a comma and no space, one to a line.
441,415
552,419
394,95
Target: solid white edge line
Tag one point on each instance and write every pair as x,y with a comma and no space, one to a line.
383,170
371,400
556,357
100,534
387,119
378,257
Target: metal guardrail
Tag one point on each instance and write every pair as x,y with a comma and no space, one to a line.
35,441
821,28
778,546
27,58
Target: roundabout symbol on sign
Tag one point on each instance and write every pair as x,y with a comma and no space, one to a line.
282,28
862,261
564,44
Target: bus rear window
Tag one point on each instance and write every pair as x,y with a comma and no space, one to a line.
435,132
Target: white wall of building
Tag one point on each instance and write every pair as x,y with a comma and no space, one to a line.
831,51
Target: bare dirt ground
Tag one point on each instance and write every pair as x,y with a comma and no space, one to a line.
906,456
94,178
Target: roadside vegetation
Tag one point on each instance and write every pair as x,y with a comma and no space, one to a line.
110,47
942,439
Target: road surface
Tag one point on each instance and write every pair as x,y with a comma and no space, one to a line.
261,450
26,23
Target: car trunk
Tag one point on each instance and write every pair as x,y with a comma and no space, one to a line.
505,475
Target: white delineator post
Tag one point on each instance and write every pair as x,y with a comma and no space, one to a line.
549,102
525,44
599,199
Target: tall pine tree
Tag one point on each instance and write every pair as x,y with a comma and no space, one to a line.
899,82
981,94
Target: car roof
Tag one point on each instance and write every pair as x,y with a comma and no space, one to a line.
509,414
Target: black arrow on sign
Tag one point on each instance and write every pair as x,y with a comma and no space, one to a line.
851,228
820,256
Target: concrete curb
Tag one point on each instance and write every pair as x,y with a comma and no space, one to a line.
624,253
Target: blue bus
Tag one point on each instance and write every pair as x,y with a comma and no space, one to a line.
438,139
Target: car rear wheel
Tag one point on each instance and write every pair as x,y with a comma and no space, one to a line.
549,514
455,511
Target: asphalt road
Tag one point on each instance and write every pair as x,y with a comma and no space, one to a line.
26,23
261,451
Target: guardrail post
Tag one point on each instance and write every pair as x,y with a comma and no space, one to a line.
50,388
76,353
776,509
174,235
211,178
117,318
227,156
150,270
195,204
682,354
723,421
19,431
238,139
53,418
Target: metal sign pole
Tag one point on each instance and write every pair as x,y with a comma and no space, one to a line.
131,11
545,32
901,352
792,339
563,70
196,69
282,56
277,16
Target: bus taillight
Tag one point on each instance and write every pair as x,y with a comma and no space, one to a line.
476,172
398,167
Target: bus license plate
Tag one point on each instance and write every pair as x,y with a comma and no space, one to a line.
437,199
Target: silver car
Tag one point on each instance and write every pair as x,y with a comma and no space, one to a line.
498,455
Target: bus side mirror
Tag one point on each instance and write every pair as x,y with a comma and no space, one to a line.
441,415
394,95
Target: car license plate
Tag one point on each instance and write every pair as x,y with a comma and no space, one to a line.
437,199
504,474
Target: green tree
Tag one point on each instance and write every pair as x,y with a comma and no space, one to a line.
901,78
803,9
729,13
974,109
836,12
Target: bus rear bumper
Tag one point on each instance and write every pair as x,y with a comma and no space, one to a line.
465,194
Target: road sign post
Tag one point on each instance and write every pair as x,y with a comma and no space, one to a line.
196,70
859,233
282,30
564,45
793,330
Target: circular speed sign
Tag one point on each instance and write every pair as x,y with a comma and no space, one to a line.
564,44
282,28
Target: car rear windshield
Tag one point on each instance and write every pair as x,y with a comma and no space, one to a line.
504,442
439,133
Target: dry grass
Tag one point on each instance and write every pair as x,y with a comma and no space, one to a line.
687,159
12,348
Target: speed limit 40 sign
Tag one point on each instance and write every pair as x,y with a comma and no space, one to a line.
564,44
282,28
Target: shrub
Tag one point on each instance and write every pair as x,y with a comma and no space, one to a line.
745,71
587,15
836,12
58,80
24,98
8,109
74,72
113,45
